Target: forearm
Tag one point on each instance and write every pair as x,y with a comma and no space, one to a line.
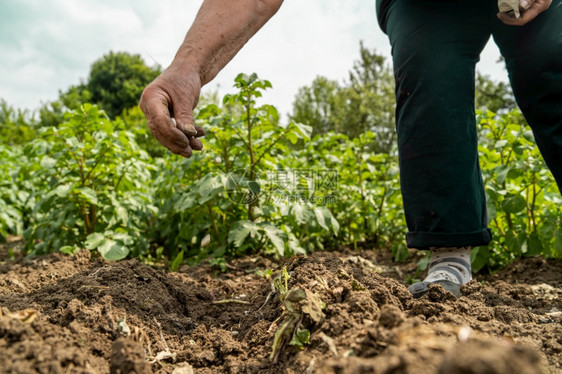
219,31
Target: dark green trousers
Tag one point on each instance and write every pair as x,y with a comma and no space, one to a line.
435,47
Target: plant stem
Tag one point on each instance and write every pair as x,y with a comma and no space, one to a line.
379,215
100,157
362,189
231,301
93,218
121,178
508,215
226,158
85,216
214,223
272,144
251,203
499,227
533,203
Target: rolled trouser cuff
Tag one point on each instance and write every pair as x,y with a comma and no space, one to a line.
425,240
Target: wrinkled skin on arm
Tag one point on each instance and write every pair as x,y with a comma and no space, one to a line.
219,31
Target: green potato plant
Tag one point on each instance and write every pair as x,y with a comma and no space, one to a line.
228,192
93,187
12,199
524,204
259,186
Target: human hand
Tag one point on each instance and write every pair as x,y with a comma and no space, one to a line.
168,104
530,10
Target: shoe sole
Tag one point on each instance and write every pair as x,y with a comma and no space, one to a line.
419,289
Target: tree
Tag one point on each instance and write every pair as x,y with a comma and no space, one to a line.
16,126
370,102
364,103
117,80
115,83
493,96
52,113
317,105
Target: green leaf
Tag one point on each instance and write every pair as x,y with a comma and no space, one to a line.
326,220
186,201
283,331
335,223
295,295
292,137
124,238
502,171
175,265
277,237
68,250
122,213
94,240
47,162
514,204
301,213
300,338
159,253
501,144
61,191
528,135
514,243
304,130
240,231
254,187
479,257
88,194
208,187
534,245
321,218
424,262
558,244
112,251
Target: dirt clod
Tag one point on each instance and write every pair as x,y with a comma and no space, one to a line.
127,356
491,357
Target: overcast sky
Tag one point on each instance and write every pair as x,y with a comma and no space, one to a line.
48,45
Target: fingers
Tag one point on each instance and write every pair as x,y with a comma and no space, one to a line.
183,113
192,132
195,144
187,128
168,104
511,20
155,107
536,8
200,131
187,153
526,4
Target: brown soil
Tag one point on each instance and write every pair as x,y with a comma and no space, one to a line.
77,315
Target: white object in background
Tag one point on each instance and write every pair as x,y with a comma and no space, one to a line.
205,241
510,5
